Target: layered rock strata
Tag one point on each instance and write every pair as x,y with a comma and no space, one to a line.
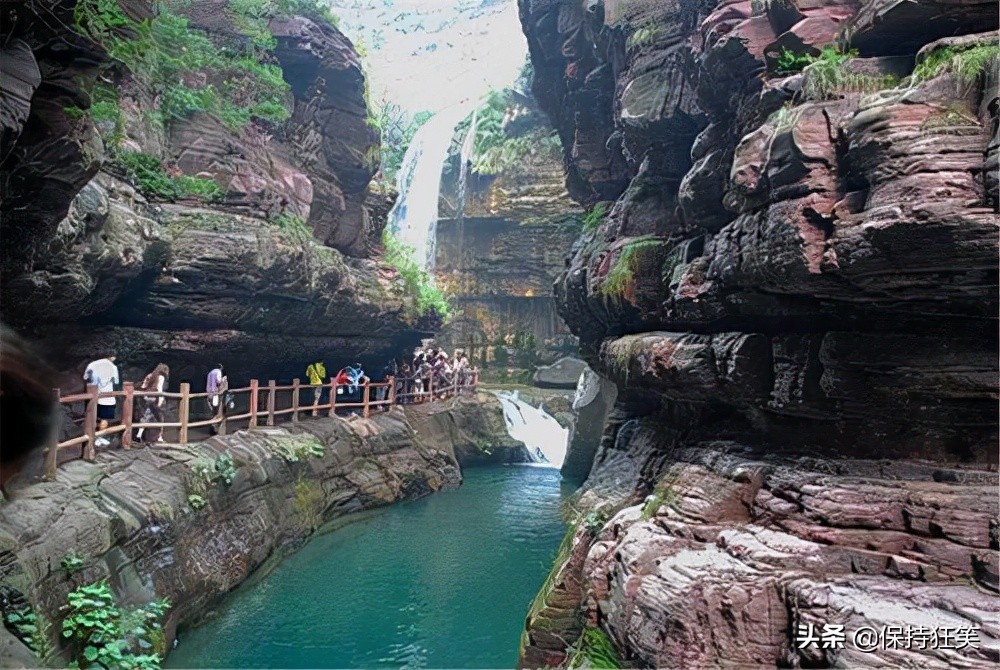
277,266
796,264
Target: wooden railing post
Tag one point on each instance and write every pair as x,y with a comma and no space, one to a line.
184,412
392,390
90,423
129,388
430,388
333,397
295,400
365,392
254,389
52,456
221,415
270,401
454,385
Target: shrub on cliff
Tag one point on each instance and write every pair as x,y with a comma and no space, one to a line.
185,67
422,295
967,62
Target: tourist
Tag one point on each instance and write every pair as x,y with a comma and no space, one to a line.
216,385
316,372
341,380
103,373
404,383
152,406
389,373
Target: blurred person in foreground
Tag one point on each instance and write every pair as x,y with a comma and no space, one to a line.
29,415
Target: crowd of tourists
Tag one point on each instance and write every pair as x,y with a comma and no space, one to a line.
430,368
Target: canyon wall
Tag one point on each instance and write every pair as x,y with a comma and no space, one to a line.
793,285
497,258
267,265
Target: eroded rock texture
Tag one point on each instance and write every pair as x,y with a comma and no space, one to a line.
91,263
129,515
801,264
497,261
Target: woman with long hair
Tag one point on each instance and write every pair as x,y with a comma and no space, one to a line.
152,406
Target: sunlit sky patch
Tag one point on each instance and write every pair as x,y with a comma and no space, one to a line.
433,54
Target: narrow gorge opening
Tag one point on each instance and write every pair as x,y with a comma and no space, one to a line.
547,333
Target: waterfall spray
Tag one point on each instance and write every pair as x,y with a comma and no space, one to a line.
413,219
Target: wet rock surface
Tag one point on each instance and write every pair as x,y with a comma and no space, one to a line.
129,515
791,276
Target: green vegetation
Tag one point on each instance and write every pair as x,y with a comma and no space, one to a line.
622,273
308,503
595,650
594,521
294,224
396,128
169,56
663,494
494,150
107,637
968,63
31,629
71,562
149,176
595,217
827,76
205,472
295,448
789,62
423,295
645,34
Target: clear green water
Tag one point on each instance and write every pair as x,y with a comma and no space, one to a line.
443,582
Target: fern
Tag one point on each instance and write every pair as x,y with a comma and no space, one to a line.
594,217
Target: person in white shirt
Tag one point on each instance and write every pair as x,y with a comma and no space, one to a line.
103,373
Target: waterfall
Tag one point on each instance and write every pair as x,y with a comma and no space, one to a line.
541,434
413,219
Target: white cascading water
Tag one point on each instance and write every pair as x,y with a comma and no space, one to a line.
545,439
413,219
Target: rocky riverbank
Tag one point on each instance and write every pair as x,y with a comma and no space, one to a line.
163,521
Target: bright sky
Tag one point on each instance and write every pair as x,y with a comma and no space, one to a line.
432,54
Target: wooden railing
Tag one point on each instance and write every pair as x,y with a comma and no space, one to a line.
414,390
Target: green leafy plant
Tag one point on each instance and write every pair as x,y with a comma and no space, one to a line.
594,521
622,274
968,62
72,562
298,448
107,637
642,35
594,649
32,629
595,217
422,294
196,501
789,62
